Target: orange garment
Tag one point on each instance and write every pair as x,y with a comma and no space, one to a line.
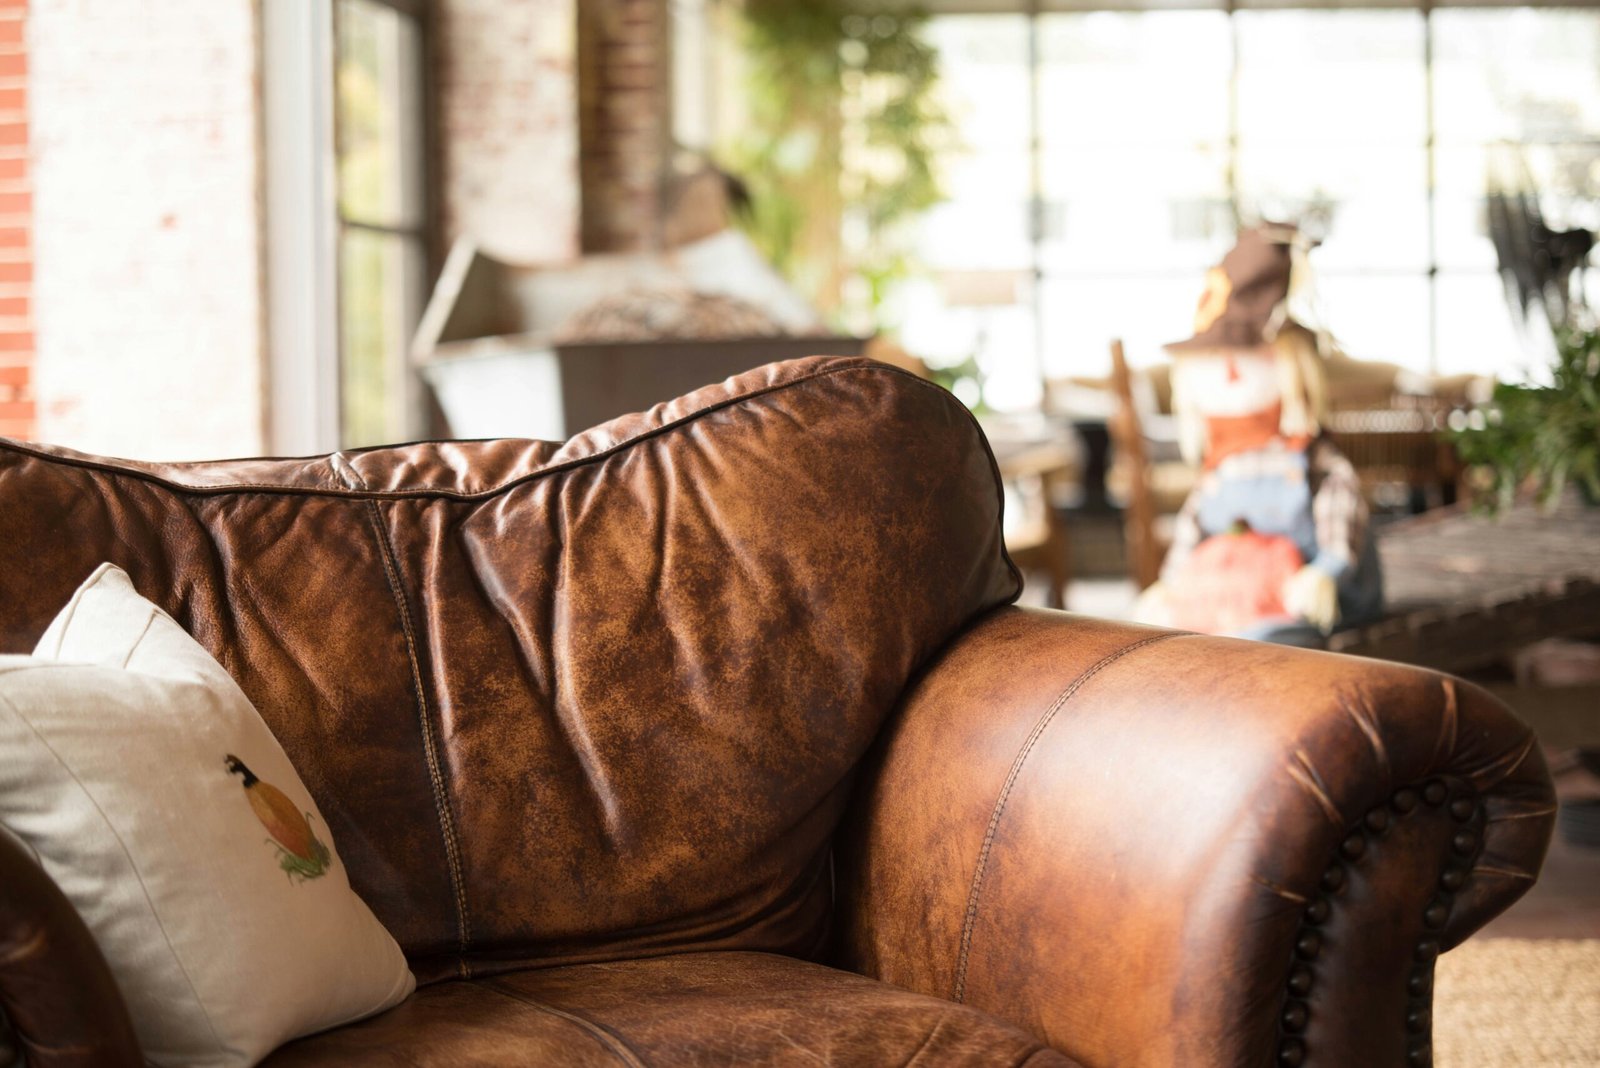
1229,434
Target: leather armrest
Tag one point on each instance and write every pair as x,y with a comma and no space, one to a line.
1154,848
63,1005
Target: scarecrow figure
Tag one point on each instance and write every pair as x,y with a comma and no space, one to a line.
1273,542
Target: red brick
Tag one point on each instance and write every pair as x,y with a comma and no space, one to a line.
13,32
13,99
17,341
15,376
16,203
15,169
19,410
16,272
16,307
14,65
14,131
14,237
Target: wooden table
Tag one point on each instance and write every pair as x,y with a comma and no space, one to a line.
1466,591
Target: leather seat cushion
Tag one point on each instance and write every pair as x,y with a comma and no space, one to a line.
690,1009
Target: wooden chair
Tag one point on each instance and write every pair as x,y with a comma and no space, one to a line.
1145,550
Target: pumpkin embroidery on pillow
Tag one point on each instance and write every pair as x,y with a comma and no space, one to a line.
300,853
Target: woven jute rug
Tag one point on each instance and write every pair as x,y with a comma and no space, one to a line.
1512,1002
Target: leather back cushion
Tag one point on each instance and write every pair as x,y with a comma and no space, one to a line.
564,703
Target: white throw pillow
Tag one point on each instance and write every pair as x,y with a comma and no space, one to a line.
153,794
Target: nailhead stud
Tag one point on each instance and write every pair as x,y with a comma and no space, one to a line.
1353,847
1319,911
1333,878
1454,879
1464,843
1308,945
1292,1053
1420,982
1295,1017
1404,800
1300,981
1435,792
1436,915
1462,808
1377,820
1417,1020
1420,1056
1427,951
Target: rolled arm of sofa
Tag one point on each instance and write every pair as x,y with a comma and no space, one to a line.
62,1008
1154,848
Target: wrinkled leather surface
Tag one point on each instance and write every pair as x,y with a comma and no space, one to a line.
62,1008
1111,836
564,703
567,707
733,1009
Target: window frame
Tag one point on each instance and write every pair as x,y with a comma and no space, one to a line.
305,224
1436,270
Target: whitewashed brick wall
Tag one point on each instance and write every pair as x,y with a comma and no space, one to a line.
147,226
508,107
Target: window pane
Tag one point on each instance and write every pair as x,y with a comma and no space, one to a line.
984,221
1082,316
983,77
1477,334
1521,75
378,275
1314,77
1369,203
1119,78
379,104
1377,318
1136,209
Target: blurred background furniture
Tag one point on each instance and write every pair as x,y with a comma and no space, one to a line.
1039,466
516,350
1495,598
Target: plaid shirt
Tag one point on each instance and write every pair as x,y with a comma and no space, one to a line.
1338,508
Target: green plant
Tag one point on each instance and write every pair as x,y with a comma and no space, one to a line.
842,132
1548,435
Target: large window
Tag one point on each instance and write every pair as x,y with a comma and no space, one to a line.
1108,155
382,246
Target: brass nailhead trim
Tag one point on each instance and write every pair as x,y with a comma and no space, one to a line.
1464,846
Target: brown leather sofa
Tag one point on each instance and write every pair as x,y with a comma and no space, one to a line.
709,737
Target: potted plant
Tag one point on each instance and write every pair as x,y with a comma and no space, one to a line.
1545,436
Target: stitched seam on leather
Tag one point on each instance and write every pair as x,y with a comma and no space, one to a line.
430,748
364,493
614,1043
971,918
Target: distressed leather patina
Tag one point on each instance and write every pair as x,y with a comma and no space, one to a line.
671,743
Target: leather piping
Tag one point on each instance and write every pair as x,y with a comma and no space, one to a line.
430,745
958,993
363,493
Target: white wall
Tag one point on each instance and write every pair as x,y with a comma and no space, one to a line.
147,224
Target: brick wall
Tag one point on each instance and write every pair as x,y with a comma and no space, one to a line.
16,223
506,73
624,91
147,226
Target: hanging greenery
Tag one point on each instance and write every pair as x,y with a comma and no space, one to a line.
1541,437
842,131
